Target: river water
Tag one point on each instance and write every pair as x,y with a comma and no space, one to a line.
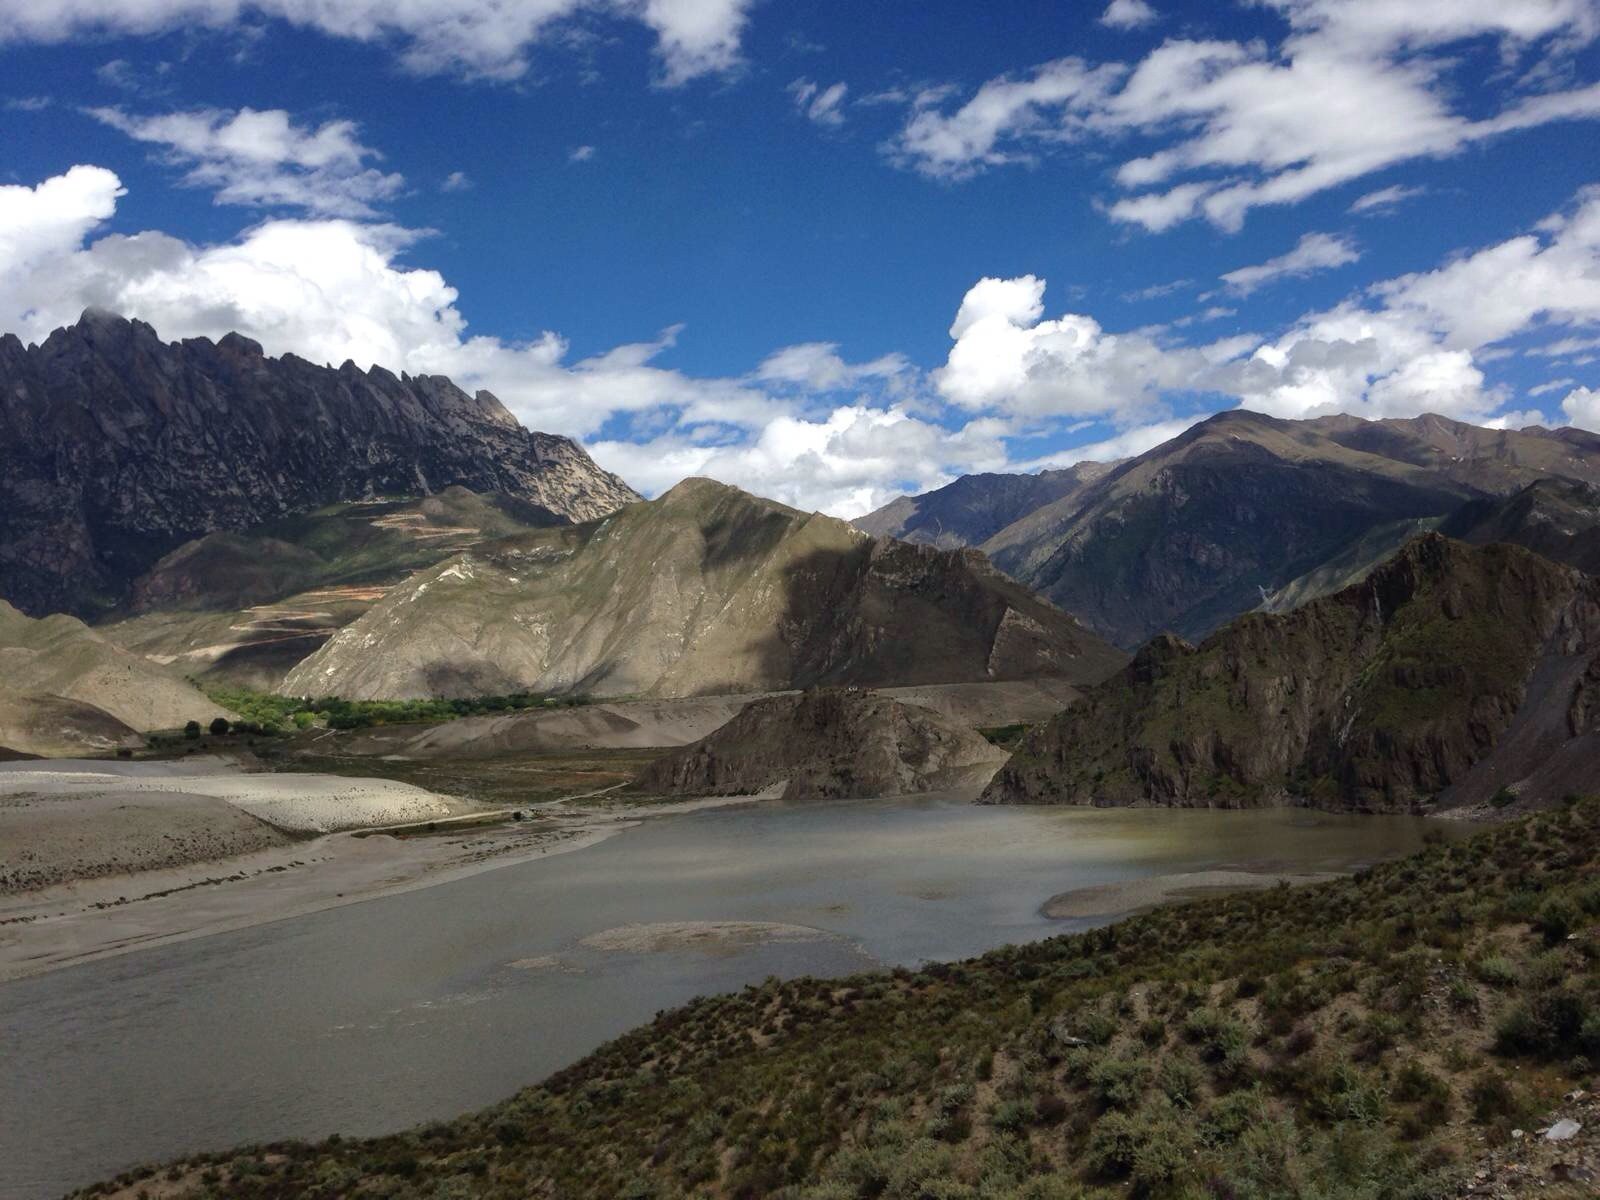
379,1015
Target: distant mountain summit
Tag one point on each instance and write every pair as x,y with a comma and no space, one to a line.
705,590
1558,518
976,507
116,447
1242,506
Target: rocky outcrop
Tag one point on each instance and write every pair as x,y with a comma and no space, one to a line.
116,447
706,590
826,744
1447,674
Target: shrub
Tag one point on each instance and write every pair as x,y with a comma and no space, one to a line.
219,726
1112,1146
1416,1085
1491,1097
1546,1025
1180,1080
1229,1119
1119,1082
1496,970
191,730
1011,1116
1557,917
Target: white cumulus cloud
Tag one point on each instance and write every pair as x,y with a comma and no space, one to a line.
1582,406
1128,14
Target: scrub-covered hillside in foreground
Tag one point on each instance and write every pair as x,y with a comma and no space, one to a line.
1378,1036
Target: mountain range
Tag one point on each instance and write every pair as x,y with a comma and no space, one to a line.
1390,615
117,447
1204,526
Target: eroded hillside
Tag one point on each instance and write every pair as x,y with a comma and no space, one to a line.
705,590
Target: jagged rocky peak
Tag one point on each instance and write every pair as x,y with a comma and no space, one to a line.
116,447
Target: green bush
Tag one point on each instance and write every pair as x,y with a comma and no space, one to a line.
1546,1025
1119,1082
1557,917
1497,971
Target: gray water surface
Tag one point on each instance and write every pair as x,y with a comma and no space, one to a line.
375,1016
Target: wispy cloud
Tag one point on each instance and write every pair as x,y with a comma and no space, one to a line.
264,159
1312,253
1352,89
818,104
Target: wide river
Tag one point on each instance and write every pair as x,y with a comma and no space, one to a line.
424,1004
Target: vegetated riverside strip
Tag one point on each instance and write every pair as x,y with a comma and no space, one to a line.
1378,1036
272,713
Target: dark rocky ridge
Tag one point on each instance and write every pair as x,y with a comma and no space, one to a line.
116,447
1449,673
1558,518
826,744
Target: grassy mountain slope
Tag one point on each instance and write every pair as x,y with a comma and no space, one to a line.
1374,1038
1379,697
826,744
241,609
1349,566
705,590
1192,533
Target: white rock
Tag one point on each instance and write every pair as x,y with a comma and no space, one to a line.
1562,1131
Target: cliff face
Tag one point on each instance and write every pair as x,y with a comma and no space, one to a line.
1388,696
705,590
116,447
826,744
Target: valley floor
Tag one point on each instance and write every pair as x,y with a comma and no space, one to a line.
100,835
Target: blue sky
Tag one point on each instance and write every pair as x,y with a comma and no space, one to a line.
746,239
